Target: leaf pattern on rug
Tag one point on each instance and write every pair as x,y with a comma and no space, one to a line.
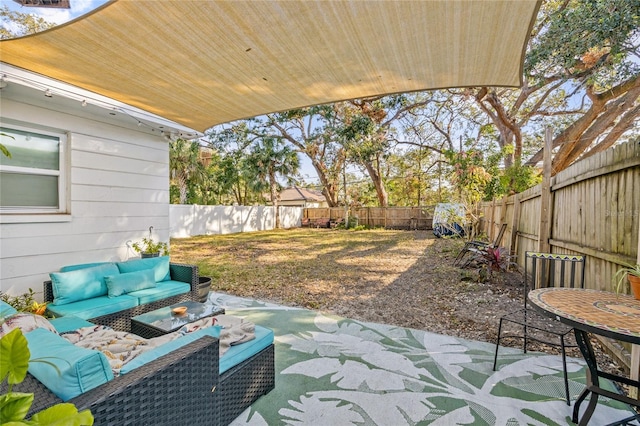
338,371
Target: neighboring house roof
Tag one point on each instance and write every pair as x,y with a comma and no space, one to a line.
301,194
202,63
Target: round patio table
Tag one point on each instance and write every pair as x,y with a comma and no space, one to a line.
612,315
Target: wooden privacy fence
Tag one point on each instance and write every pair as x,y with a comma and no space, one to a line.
379,217
594,209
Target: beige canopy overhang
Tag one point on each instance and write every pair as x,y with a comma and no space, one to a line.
202,63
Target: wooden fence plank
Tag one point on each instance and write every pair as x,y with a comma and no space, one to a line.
545,202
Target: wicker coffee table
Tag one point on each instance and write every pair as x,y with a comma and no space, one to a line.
162,321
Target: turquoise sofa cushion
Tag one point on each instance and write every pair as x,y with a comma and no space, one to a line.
127,282
168,347
96,307
81,284
76,370
162,290
234,356
69,323
70,268
242,352
6,309
160,266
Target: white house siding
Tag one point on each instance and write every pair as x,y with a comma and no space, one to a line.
118,187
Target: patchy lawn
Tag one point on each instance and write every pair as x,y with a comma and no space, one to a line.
404,278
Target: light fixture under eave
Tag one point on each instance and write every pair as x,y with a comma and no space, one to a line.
48,93
84,102
3,82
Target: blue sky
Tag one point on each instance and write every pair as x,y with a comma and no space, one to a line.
59,16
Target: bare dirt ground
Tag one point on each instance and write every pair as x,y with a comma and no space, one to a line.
404,278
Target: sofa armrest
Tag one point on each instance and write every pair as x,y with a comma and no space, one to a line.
187,274
48,291
165,391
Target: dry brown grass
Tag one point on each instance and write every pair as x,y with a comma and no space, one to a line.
302,267
403,278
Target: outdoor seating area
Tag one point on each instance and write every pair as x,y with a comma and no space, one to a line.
317,360
206,367
183,378
312,213
110,293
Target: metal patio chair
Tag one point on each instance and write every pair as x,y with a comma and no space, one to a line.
473,247
545,270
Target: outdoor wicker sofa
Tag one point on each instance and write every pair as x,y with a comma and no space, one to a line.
121,320
182,387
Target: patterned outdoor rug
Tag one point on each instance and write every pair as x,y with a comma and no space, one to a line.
337,371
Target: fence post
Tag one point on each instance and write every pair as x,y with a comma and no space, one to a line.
544,232
503,214
635,349
515,222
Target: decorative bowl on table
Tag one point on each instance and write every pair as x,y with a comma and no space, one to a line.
179,310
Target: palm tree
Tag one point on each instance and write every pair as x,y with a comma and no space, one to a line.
185,166
270,158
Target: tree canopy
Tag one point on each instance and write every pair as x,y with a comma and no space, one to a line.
17,24
581,78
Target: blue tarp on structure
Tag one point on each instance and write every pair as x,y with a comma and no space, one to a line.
448,220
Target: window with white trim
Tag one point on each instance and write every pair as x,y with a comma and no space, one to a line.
32,180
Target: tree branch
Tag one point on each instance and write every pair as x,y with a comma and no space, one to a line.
627,122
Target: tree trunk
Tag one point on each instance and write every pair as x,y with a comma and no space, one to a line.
274,197
182,186
329,188
381,192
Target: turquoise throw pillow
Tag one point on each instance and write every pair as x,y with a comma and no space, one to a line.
81,284
160,266
130,281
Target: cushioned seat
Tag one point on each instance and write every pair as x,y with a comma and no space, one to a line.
95,307
162,290
239,353
70,370
234,356
69,323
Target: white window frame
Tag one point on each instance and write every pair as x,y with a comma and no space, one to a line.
41,214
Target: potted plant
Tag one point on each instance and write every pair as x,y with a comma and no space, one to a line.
25,302
150,248
632,272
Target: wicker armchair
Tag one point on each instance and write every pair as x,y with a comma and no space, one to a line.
182,387
121,320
